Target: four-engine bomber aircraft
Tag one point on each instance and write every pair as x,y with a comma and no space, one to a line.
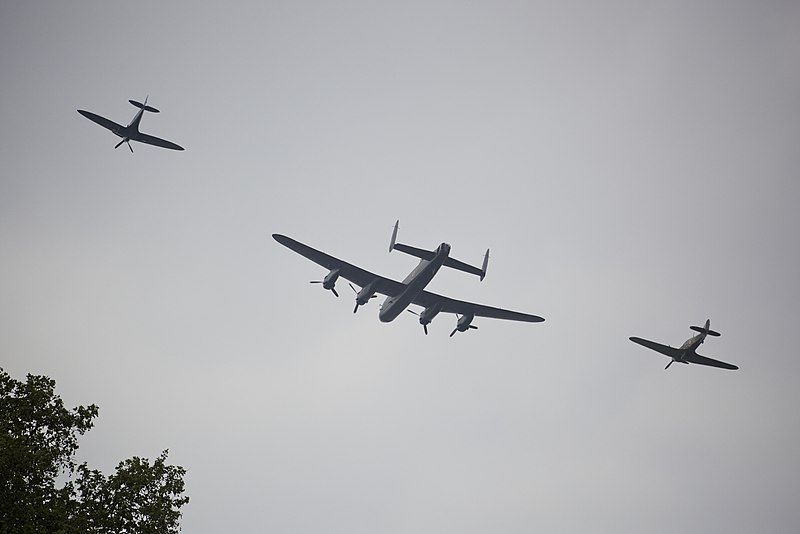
687,354
399,295
131,131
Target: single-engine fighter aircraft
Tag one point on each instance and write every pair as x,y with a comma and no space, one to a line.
131,131
412,289
687,354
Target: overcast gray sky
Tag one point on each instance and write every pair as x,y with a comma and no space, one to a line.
632,165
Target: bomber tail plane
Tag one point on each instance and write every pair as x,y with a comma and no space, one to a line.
428,255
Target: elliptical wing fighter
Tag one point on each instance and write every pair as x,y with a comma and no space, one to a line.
400,295
131,131
687,353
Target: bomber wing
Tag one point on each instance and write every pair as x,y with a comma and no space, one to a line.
461,307
102,121
658,347
702,360
362,277
156,141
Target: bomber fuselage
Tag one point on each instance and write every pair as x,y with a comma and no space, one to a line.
415,283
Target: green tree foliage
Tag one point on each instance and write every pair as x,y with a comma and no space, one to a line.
38,440
139,497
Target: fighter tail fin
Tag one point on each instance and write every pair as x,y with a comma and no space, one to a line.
144,106
706,329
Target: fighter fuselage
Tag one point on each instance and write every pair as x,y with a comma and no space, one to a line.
132,129
690,345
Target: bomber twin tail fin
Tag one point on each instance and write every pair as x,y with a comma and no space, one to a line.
394,235
428,255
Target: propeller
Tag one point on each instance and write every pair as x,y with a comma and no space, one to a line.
333,289
424,325
472,326
356,292
461,327
670,363
125,141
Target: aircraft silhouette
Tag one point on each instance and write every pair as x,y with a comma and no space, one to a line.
400,295
131,131
687,352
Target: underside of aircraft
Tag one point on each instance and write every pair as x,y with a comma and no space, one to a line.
399,295
131,131
687,352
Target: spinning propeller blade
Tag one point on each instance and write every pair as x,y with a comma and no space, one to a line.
356,292
333,289
424,326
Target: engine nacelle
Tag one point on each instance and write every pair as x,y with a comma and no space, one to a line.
464,321
366,293
463,324
429,313
330,279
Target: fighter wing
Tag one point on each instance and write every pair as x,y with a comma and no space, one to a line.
102,121
156,141
461,307
658,347
702,360
362,277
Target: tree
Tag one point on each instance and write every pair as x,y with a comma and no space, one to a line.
138,497
38,441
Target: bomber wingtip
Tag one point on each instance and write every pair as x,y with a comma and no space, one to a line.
282,239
